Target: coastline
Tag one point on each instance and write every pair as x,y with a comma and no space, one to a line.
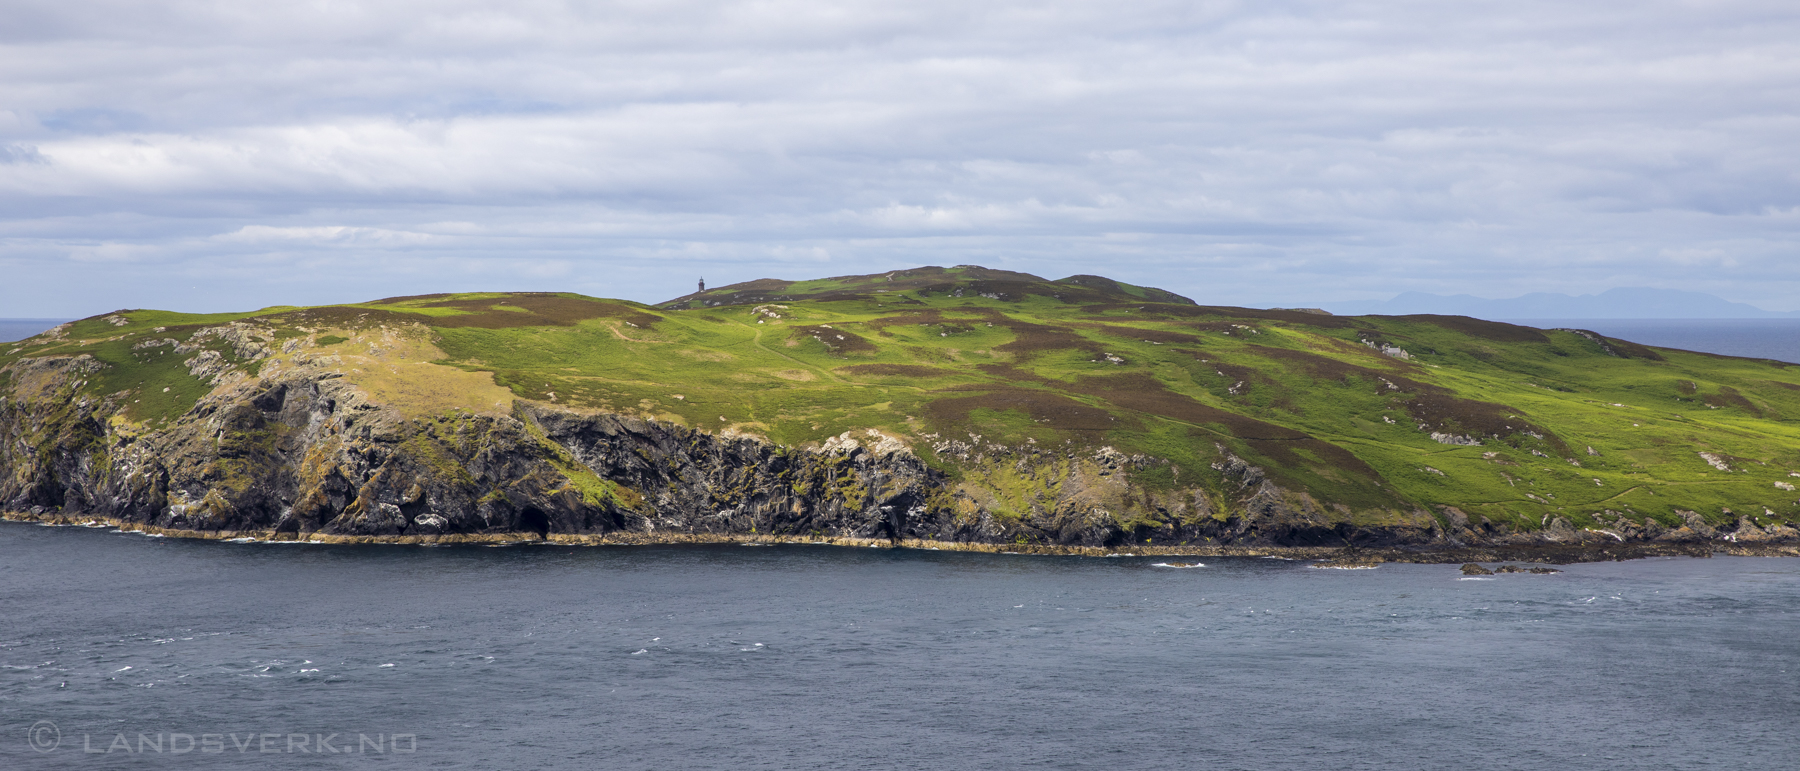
1555,554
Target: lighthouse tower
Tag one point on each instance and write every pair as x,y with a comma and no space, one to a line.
702,283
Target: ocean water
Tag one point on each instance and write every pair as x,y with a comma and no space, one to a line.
19,329
823,657
1777,339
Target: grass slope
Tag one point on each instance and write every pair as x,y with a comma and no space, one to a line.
1568,423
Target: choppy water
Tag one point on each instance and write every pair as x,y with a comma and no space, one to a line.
822,657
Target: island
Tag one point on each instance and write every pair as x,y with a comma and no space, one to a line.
950,408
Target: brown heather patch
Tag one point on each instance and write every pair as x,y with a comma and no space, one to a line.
1327,368
1251,377
1143,393
1029,339
895,370
1147,335
1440,410
344,317
931,316
1006,291
1326,457
913,318
1146,308
1054,411
1487,330
409,298
1292,317
1631,350
1012,374
837,340
1283,445
1623,349
1225,315
541,310
1730,397
1106,286
1435,406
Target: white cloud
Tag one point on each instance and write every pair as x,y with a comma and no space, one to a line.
1239,152
324,235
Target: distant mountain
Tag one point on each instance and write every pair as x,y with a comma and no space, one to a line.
1621,303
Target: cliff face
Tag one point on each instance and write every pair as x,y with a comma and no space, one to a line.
309,453
305,453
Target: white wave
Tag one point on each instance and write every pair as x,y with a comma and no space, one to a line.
1474,578
245,539
1178,565
639,651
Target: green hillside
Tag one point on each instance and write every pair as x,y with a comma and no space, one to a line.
1510,423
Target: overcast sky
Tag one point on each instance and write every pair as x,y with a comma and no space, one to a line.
210,155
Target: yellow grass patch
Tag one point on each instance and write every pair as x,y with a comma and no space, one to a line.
394,367
705,355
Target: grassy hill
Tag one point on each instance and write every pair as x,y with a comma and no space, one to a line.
1371,417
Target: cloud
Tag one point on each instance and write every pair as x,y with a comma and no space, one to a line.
323,236
17,154
1274,153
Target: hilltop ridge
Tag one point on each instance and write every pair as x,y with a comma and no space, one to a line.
930,279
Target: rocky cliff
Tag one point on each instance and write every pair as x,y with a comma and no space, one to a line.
302,452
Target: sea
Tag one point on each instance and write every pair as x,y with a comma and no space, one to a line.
19,329
1777,339
119,650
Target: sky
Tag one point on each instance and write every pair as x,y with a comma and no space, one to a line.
208,156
